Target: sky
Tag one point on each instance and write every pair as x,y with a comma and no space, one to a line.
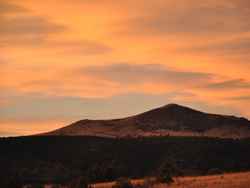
62,61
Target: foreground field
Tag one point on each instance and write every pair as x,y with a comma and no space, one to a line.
234,180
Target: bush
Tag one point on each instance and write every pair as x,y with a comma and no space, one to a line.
123,183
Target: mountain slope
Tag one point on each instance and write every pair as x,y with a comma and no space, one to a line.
172,119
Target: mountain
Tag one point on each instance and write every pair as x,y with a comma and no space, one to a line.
171,119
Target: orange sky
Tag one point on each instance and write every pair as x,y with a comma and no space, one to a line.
62,61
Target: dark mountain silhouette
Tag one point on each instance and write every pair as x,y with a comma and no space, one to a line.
172,120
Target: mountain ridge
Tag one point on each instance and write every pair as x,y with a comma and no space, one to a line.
168,120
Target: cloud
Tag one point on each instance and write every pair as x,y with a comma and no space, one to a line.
125,73
240,4
6,8
230,84
21,27
86,47
25,25
26,30
240,98
192,18
238,46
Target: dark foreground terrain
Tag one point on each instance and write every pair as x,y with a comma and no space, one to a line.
59,159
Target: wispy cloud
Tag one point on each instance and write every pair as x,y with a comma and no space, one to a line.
229,47
240,98
193,18
128,73
86,47
230,84
23,30
6,8
20,26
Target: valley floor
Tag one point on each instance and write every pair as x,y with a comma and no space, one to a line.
233,180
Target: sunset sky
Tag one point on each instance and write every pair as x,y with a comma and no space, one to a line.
63,60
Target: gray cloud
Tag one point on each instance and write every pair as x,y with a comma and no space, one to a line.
26,30
129,74
193,17
6,7
230,84
241,4
240,98
20,27
27,25
239,46
86,47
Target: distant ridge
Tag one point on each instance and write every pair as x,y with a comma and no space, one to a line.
171,119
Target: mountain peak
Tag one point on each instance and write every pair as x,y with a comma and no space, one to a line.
176,108
171,105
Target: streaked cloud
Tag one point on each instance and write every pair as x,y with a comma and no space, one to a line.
6,8
230,84
231,47
140,73
23,29
86,47
241,98
20,27
193,18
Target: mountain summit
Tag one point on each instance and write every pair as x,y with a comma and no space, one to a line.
171,119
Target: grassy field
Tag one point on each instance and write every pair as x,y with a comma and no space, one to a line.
234,180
